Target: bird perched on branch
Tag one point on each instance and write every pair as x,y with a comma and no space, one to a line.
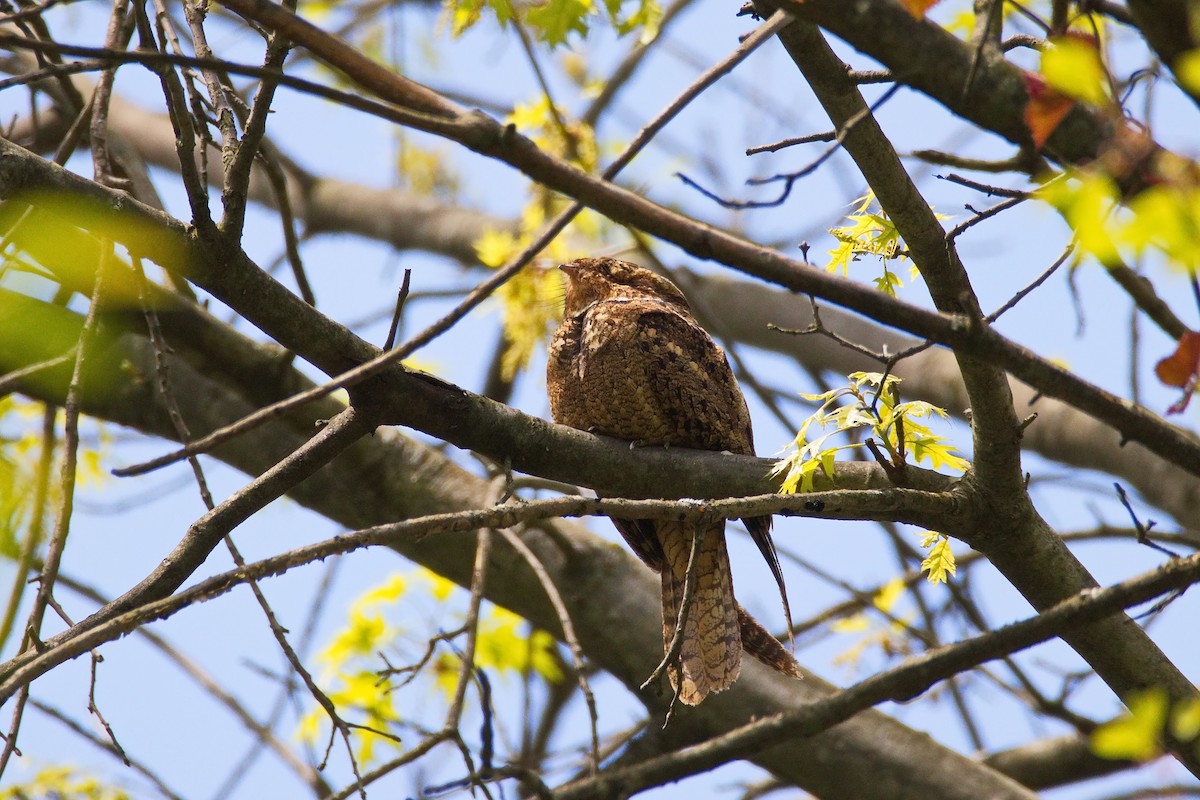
630,361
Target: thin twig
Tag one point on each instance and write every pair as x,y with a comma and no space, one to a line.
836,504
1038,281
84,733
487,287
568,627
900,683
94,710
670,659
826,136
118,34
989,190
401,298
237,177
66,490
162,369
293,660
980,216
12,380
789,179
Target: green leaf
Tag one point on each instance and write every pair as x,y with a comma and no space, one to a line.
556,19
888,283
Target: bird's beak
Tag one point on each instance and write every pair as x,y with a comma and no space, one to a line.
571,269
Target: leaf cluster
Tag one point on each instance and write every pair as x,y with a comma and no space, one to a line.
872,407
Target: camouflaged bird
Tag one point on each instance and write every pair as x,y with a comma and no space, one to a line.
630,361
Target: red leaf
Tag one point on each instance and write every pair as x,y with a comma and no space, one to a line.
918,7
1181,368
1045,110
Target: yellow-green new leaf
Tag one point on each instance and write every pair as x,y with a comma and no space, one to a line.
1136,736
1185,721
1072,65
554,20
940,563
939,454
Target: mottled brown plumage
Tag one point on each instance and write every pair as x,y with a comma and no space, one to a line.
630,361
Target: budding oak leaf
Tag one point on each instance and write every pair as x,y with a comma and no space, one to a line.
940,564
1182,369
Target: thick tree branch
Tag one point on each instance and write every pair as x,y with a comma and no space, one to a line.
407,222
281,315
387,477
501,432
898,683
994,424
1049,763
1169,28
141,602
1015,538
994,100
1061,432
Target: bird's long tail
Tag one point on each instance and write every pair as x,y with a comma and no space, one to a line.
758,642
710,656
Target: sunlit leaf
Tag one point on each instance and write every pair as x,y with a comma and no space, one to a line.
62,781
1166,217
532,308
494,248
885,599
934,449
804,455
871,234
463,15
646,19
855,623
1185,721
554,20
940,563
1187,70
1136,736
385,593
888,282
1072,66
1087,202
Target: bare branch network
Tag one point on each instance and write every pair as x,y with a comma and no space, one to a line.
109,311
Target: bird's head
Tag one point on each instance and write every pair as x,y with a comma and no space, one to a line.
592,279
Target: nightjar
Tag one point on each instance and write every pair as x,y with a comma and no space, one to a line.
630,361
